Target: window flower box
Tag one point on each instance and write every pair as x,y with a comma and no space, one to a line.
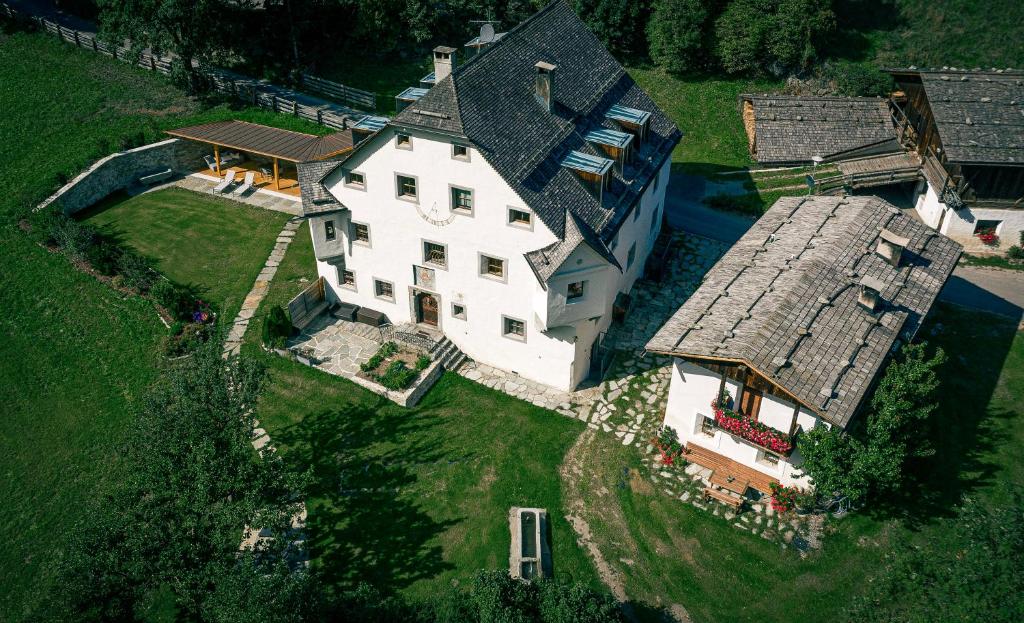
748,429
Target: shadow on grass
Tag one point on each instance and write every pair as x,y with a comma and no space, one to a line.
964,433
362,527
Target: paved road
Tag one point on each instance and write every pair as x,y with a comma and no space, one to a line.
986,289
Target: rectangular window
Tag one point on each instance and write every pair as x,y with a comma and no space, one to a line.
707,425
355,180
329,230
361,233
575,290
406,187
384,290
346,279
519,217
767,458
462,200
458,311
403,141
513,328
435,254
631,256
460,152
493,267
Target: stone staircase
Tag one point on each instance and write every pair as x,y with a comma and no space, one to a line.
448,354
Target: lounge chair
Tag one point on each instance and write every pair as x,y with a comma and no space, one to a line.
229,179
211,162
250,178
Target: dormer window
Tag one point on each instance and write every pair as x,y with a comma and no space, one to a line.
891,246
592,170
632,120
870,297
407,97
618,145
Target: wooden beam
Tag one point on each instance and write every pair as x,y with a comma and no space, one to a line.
216,158
277,180
792,424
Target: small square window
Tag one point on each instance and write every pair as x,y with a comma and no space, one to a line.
707,426
355,180
406,187
460,152
575,291
329,230
631,256
383,289
519,217
492,267
458,311
346,279
513,328
462,200
435,254
403,141
767,458
360,233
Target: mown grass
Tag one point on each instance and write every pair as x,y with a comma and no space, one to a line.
415,500
212,244
74,354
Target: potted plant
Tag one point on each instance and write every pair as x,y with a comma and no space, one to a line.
783,498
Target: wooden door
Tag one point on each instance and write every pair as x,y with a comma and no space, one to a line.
750,402
428,309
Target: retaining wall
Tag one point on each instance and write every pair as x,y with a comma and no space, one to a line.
123,169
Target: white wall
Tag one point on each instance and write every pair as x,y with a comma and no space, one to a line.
690,394
959,224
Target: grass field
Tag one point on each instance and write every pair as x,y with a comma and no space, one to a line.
416,500
213,244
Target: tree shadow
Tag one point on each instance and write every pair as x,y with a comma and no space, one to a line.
363,526
856,20
964,432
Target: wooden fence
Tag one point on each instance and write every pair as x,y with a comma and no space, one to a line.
250,90
340,92
308,304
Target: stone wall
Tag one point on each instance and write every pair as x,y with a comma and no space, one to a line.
123,169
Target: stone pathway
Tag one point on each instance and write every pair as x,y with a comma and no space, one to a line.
252,301
338,346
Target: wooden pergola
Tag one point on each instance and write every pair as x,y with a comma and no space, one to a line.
261,140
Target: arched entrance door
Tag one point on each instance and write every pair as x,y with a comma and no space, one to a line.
426,309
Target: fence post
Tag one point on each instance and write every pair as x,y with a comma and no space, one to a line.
320,116
95,48
78,43
273,102
295,108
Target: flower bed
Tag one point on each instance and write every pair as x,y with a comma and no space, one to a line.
990,239
783,498
747,428
668,446
393,368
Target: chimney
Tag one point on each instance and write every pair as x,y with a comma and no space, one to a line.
870,297
890,246
444,62
544,84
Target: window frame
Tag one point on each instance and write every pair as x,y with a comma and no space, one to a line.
528,225
512,336
398,188
763,459
458,315
707,425
463,158
989,229
355,185
573,300
352,234
452,189
398,143
426,261
383,297
330,231
341,279
482,259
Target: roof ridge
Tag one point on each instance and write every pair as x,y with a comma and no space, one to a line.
513,31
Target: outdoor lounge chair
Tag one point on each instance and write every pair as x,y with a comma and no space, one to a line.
229,179
211,162
250,178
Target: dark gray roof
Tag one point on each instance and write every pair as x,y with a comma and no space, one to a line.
979,114
792,129
546,261
490,100
784,299
267,140
315,197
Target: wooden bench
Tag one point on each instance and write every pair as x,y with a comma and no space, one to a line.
159,176
723,497
724,466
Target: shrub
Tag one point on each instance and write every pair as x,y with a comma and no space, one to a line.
397,376
1016,252
192,336
276,328
676,34
177,300
176,328
386,350
103,256
72,237
775,36
423,362
131,141
135,270
854,79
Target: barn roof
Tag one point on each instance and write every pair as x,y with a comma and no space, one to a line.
979,114
267,141
792,129
784,299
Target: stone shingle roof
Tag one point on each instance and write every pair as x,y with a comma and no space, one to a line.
979,114
315,197
784,299
791,129
546,261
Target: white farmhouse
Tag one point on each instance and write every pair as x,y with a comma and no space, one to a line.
793,326
506,207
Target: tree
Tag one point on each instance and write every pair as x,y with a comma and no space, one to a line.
834,461
776,36
676,34
170,531
619,24
973,576
189,29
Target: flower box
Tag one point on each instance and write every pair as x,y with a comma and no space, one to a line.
748,429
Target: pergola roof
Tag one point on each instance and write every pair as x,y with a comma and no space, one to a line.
267,141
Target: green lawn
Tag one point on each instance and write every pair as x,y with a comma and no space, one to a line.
415,500
297,271
387,76
214,244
